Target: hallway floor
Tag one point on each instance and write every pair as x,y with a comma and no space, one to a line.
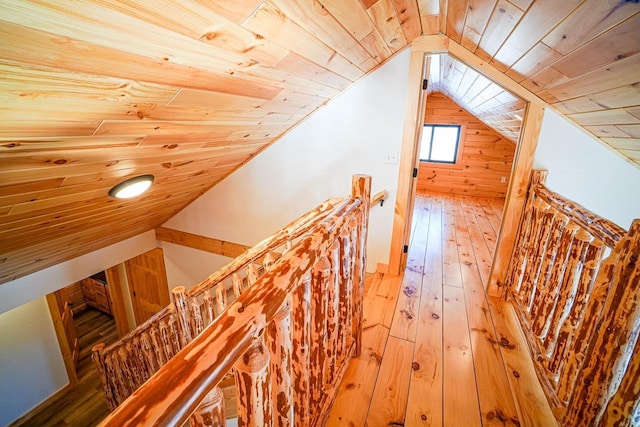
83,405
437,351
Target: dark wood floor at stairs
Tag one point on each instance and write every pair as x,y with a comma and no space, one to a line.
84,405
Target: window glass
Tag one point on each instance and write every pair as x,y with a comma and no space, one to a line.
439,143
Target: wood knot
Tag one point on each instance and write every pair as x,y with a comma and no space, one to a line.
241,309
516,374
423,417
415,366
60,161
435,316
350,386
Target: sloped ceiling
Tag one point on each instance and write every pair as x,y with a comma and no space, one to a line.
95,91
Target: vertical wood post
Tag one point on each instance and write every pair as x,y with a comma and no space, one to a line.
300,355
331,310
99,361
516,196
280,344
321,274
211,412
360,188
182,310
253,385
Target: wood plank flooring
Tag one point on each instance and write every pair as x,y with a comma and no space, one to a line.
436,350
84,404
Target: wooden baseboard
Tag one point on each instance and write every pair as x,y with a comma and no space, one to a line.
24,419
382,268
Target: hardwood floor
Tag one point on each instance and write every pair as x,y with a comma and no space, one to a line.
436,350
84,405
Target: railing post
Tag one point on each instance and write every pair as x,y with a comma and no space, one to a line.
211,412
360,188
253,385
99,361
280,345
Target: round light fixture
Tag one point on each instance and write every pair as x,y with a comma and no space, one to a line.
132,187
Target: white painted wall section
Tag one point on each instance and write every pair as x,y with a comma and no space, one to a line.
583,170
354,134
43,282
31,366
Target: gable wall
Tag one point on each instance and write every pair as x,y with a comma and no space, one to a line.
353,134
485,157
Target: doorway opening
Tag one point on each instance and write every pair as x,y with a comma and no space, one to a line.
493,101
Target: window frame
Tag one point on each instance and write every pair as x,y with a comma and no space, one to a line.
458,146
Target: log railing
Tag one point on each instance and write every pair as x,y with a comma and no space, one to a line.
574,280
287,338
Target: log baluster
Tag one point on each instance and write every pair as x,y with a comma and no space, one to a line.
320,277
332,304
158,347
300,357
165,339
211,411
175,337
236,280
181,305
147,347
361,189
252,274
209,312
613,341
543,318
268,261
253,385
543,287
570,325
346,315
538,255
221,297
567,288
279,334
532,251
198,322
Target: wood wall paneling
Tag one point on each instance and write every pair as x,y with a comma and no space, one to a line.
485,156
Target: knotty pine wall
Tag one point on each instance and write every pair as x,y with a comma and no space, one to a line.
486,157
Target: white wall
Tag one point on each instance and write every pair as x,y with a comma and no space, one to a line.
583,170
31,366
315,161
43,282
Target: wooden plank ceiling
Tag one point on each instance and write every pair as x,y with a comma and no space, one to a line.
94,91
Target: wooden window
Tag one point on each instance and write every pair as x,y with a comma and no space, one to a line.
440,143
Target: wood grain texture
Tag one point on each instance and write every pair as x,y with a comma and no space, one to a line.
485,158
187,77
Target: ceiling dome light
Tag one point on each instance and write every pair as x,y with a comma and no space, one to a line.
132,187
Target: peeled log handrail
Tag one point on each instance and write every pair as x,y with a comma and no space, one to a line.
171,395
125,365
379,197
607,231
